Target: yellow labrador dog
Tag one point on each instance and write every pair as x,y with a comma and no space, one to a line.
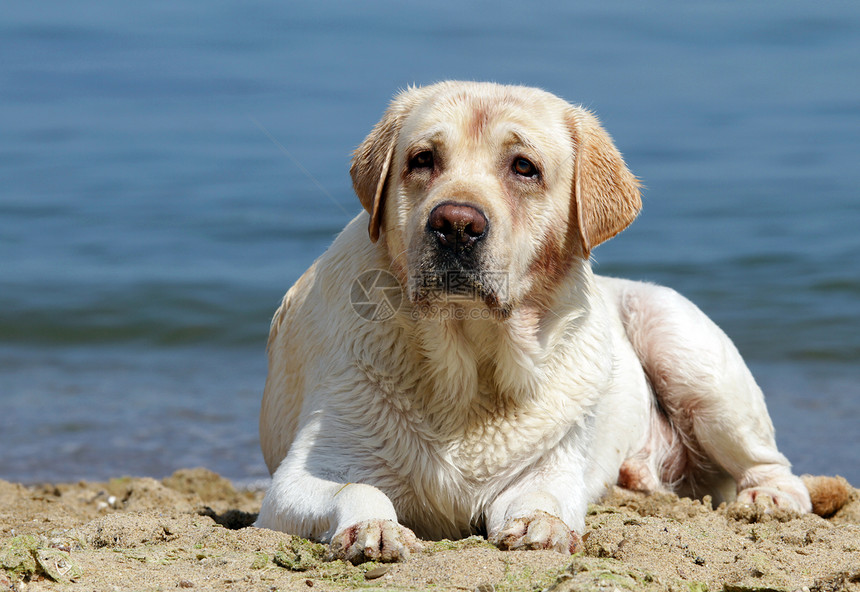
451,364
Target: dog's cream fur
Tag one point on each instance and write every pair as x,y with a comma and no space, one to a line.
509,412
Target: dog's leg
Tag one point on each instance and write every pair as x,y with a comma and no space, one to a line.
545,508
357,519
708,392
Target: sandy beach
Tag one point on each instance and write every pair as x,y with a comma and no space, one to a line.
192,530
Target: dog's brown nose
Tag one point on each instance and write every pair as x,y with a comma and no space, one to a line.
457,225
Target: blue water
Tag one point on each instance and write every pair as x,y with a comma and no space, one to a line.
168,169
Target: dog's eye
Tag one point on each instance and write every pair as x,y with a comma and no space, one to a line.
422,160
524,167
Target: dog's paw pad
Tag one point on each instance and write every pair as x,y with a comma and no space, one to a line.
374,540
537,531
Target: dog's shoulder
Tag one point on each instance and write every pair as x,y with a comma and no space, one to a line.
311,333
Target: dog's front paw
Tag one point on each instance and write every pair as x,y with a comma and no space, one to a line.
537,531
374,540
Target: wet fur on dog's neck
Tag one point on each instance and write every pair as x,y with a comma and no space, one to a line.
481,370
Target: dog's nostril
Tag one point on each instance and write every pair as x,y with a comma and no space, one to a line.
457,224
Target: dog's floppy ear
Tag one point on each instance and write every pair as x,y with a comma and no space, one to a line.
605,196
371,161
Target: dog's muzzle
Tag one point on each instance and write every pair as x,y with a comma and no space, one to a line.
453,267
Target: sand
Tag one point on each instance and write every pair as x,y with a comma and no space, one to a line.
191,531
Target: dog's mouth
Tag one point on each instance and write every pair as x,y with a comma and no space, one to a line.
452,269
454,285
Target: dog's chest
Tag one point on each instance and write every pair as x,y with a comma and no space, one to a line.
467,440
494,444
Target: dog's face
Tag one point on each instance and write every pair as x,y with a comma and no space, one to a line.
487,194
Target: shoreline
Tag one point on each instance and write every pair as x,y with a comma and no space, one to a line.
192,530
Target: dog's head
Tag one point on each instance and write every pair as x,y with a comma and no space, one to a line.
490,193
